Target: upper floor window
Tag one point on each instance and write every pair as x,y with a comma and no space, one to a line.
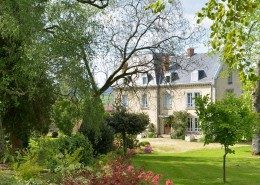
124,100
193,124
230,78
191,98
144,101
145,80
167,100
167,79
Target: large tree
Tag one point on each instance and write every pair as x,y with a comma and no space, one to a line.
235,34
25,89
131,32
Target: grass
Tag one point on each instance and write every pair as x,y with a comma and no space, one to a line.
203,166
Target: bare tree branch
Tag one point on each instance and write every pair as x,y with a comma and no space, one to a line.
101,4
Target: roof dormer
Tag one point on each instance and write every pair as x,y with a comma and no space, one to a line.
197,75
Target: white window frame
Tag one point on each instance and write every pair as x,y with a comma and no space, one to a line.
124,101
144,101
190,98
167,100
193,124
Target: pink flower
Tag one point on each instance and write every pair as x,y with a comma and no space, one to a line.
168,182
130,168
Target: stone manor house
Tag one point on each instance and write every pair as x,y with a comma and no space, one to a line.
173,84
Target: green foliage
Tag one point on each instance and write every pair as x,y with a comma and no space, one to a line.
178,122
26,92
130,123
65,114
127,124
235,32
151,131
57,155
103,142
158,5
226,121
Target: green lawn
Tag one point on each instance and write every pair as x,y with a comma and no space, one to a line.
203,166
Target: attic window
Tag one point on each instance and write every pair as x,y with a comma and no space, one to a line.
145,80
168,79
150,77
202,74
197,75
174,76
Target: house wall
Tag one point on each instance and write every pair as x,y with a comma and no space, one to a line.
222,86
179,100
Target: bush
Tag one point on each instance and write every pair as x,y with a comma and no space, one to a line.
127,124
55,155
148,149
118,172
178,122
74,142
144,143
151,135
102,142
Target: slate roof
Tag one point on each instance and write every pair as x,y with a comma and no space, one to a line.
184,66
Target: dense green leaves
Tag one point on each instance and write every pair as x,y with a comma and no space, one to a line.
235,33
226,121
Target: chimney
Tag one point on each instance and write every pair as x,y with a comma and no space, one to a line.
166,63
190,52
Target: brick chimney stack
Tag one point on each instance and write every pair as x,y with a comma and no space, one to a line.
166,62
190,52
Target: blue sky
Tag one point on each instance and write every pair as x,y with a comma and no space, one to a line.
190,8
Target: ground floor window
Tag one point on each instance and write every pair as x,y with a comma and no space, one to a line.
193,124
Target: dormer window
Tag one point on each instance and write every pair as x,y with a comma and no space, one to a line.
197,75
167,79
174,76
145,80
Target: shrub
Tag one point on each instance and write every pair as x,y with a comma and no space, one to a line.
55,155
144,143
148,149
151,135
117,172
102,142
178,122
74,142
127,124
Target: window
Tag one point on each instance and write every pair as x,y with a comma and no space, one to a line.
124,102
193,125
230,79
189,124
191,99
145,80
167,100
144,101
168,79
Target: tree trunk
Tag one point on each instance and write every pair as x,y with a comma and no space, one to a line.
16,142
256,102
124,143
224,165
2,141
